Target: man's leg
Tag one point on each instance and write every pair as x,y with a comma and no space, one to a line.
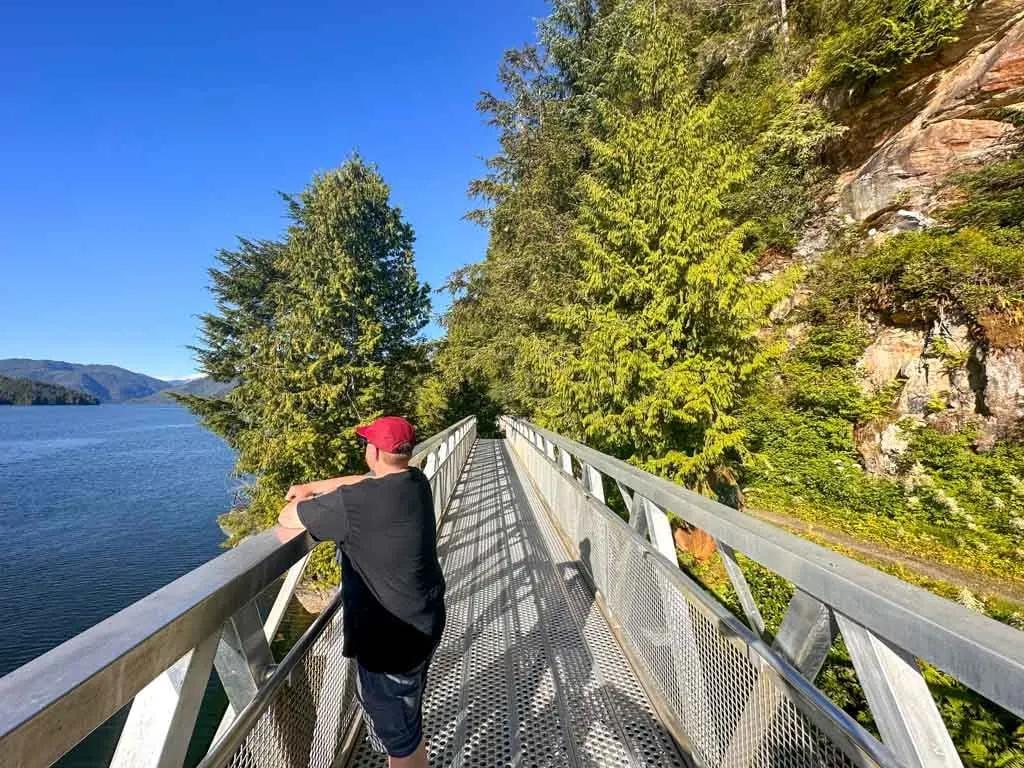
393,711
417,759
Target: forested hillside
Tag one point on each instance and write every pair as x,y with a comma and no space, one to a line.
107,383
773,255
28,392
774,252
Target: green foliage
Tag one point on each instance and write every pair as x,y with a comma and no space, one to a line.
985,735
320,331
972,269
951,356
994,197
873,39
665,317
933,274
499,333
27,392
791,136
443,401
988,487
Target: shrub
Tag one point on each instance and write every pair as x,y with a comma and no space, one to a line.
926,275
876,38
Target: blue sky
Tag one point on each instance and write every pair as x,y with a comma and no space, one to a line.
137,138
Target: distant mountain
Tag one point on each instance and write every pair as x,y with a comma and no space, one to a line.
204,386
107,383
29,392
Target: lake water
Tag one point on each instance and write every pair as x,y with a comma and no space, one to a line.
99,506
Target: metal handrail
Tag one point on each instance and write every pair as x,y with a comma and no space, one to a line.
982,653
50,704
419,453
220,754
56,700
828,716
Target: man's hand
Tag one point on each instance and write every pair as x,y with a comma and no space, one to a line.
300,492
320,487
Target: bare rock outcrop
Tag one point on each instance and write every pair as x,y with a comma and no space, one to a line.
936,386
958,121
1004,387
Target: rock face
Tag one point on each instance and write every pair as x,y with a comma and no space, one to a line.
944,380
889,356
958,118
1004,387
949,113
881,447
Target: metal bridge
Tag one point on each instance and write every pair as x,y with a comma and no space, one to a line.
573,640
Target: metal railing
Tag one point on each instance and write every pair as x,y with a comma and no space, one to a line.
159,653
735,700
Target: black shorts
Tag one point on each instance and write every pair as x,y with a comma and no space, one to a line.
392,708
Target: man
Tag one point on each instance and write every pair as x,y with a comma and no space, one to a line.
391,581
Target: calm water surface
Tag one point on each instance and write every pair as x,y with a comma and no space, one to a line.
99,506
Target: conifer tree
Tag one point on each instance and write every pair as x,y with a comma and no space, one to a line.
666,315
320,330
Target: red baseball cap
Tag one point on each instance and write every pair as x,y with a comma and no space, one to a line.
392,434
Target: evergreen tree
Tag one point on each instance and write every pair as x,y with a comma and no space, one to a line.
320,329
500,331
666,316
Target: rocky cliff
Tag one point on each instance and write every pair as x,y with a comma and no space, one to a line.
955,111
958,111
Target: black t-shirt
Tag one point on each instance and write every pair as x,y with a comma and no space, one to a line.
391,581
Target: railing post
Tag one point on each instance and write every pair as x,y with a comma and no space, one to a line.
566,459
593,482
163,714
900,701
659,530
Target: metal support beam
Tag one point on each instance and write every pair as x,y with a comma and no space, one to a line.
593,482
163,715
549,449
900,701
807,633
659,530
739,583
566,459
805,637
243,656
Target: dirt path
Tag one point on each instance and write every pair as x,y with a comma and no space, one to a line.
1002,589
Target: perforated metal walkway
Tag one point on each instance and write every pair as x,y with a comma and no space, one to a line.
528,673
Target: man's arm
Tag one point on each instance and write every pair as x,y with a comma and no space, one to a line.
324,515
320,487
289,517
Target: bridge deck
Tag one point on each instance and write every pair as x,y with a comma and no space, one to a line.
528,673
